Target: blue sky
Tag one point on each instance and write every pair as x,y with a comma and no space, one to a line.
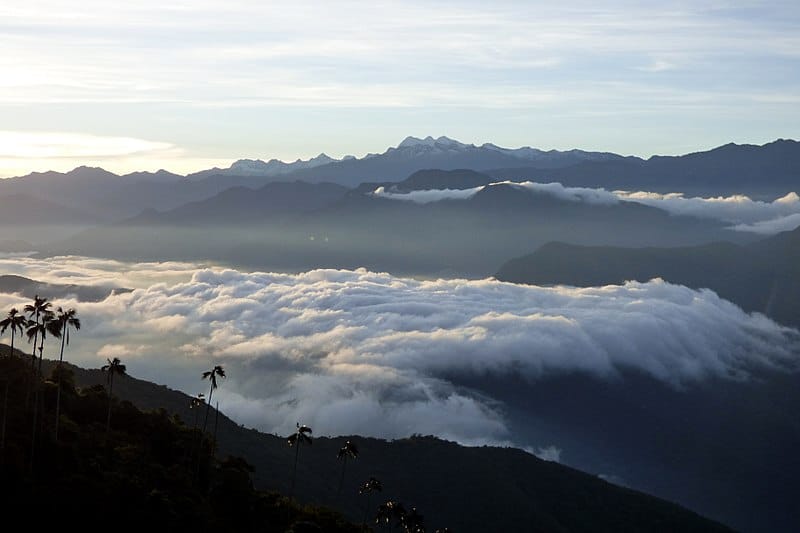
185,85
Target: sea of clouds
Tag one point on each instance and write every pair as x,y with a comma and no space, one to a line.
370,353
741,212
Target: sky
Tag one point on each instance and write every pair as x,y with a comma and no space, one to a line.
186,85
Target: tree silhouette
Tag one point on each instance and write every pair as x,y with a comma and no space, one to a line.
16,322
64,320
348,451
45,322
389,511
35,310
301,436
371,485
413,522
194,404
113,367
211,375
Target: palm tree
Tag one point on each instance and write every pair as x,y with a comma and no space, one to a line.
38,329
302,435
194,404
45,322
388,511
16,322
211,375
348,451
114,366
64,320
371,485
413,522
34,311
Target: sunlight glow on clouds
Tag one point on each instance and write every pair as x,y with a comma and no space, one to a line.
370,353
33,145
513,72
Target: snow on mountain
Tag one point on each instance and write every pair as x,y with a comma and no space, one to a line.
412,154
274,167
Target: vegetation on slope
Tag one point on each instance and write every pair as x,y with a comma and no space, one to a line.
148,471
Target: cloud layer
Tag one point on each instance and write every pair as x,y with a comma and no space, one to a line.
364,352
744,213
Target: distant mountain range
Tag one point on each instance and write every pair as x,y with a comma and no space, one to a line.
410,155
770,170
766,171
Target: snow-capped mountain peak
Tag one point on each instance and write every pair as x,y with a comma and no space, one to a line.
441,142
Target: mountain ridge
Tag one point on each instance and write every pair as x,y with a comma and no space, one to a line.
759,277
513,486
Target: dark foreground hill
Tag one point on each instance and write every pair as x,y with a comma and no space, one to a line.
149,471
466,489
763,276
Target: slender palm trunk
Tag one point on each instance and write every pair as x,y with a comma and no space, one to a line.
58,371
294,472
41,356
110,401
35,416
203,433
294,475
366,511
5,399
216,422
341,479
35,340
33,362
36,397
208,407
5,416
39,397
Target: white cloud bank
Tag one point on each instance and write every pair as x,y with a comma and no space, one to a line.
363,352
742,211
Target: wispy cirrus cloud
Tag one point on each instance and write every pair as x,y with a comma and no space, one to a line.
419,65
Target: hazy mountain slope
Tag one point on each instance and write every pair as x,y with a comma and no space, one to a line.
108,197
507,489
241,204
428,179
467,237
30,288
763,276
724,448
767,171
27,217
27,209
